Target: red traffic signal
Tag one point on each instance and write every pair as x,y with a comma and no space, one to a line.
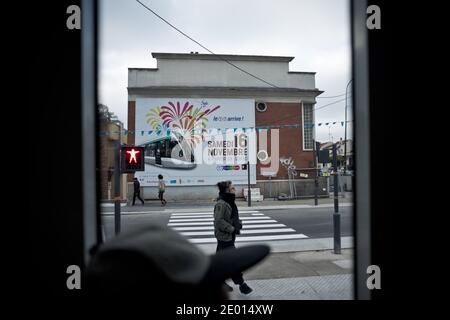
132,159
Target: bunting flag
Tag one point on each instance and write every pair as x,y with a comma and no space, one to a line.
202,131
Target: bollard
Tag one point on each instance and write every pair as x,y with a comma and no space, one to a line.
117,217
249,193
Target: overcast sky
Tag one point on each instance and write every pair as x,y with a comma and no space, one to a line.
315,32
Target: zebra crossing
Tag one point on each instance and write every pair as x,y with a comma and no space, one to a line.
198,227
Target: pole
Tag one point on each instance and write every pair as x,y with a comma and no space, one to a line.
335,180
117,188
336,215
249,193
270,187
345,134
316,182
337,233
117,173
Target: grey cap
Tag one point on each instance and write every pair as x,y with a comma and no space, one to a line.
179,260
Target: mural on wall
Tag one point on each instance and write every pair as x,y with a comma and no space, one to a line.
185,120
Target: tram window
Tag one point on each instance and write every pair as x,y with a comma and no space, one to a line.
333,83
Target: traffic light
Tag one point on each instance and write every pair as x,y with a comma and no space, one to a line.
132,159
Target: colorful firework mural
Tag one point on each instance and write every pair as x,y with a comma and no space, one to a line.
183,120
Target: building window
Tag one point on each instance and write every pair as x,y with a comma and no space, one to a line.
308,127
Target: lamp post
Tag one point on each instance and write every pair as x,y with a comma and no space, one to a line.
345,134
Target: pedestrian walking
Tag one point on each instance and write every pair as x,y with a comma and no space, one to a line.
137,191
161,190
227,225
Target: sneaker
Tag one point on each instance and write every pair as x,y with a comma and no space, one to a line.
228,287
245,289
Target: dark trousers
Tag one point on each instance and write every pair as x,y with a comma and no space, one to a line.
229,245
161,196
138,195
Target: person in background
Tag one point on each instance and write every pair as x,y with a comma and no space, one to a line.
137,191
161,190
226,226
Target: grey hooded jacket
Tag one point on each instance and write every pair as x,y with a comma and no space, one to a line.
223,225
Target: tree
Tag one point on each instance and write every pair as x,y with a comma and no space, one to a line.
106,115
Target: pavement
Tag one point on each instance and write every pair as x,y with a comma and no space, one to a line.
316,275
153,206
299,269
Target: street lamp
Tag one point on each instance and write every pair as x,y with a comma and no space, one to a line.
345,135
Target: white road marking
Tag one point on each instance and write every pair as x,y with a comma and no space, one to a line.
211,233
253,238
271,225
211,219
211,223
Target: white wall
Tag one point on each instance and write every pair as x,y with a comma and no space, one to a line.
211,73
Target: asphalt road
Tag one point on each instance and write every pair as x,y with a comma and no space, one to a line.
312,222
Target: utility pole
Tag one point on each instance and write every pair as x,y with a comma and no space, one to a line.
345,135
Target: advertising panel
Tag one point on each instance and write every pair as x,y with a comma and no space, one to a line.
196,141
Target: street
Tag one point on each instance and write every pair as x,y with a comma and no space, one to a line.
258,225
301,265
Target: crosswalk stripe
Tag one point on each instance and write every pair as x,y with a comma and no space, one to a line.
191,220
170,224
252,238
209,212
192,213
212,219
211,227
211,233
209,215
189,224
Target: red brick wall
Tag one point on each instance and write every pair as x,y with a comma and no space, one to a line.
103,163
290,139
106,162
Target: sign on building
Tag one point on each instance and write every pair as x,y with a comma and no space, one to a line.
196,141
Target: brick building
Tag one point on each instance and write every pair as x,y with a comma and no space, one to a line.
283,101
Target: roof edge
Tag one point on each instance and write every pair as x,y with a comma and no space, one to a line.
229,57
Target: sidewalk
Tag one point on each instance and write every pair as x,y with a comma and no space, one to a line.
300,276
203,206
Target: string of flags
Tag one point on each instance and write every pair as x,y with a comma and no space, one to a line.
223,130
